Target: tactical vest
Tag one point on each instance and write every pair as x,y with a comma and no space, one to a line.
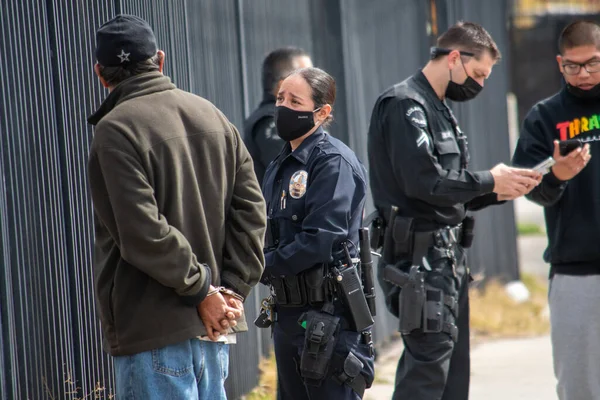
404,90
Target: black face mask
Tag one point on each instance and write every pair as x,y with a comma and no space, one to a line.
292,124
464,92
591,94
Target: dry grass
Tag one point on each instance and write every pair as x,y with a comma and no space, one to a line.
494,314
74,392
267,385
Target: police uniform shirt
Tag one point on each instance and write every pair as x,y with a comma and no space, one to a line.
315,195
415,159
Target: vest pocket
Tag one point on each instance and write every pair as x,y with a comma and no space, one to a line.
449,153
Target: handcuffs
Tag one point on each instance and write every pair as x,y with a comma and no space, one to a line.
224,290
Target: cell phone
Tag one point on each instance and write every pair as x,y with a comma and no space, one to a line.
567,146
544,167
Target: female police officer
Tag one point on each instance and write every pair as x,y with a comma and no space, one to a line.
315,191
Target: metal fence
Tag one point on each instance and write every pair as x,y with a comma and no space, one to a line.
48,330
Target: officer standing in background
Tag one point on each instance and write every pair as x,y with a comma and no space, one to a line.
315,192
421,186
260,135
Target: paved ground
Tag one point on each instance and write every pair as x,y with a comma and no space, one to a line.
519,369
504,369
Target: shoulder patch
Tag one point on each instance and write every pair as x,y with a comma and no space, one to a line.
416,116
298,184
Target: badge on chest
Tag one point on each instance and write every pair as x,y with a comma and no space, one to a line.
298,184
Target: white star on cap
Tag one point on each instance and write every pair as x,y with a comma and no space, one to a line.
123,56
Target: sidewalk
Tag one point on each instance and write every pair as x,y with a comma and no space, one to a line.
516,369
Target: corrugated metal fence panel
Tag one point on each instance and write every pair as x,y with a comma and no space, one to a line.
328,50
268,25
380,48
36,274
485,121
168,20
215,55
77,94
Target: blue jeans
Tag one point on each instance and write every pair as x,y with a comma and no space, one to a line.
192,369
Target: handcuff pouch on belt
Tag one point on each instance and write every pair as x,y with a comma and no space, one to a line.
321,336
347,372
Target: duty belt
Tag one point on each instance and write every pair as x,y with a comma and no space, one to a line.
443,237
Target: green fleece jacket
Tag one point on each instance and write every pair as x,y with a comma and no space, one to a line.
177,206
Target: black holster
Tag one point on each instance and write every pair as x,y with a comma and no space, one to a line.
421,306
322,330
411,301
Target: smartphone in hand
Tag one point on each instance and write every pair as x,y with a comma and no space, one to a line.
567,146
544,167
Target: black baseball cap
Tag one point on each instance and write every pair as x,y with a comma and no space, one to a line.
123,40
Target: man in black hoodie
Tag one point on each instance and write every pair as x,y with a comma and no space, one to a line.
570,194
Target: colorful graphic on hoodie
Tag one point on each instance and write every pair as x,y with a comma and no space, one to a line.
574,128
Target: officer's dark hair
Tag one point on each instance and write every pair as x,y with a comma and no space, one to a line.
579,33
471,37
322,86
277,65
115,75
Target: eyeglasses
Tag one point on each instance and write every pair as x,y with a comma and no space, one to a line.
574,69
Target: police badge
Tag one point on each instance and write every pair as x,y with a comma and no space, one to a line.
298,184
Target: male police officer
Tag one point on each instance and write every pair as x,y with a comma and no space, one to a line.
260,135
420,183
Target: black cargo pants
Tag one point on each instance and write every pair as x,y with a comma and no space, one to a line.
433,366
